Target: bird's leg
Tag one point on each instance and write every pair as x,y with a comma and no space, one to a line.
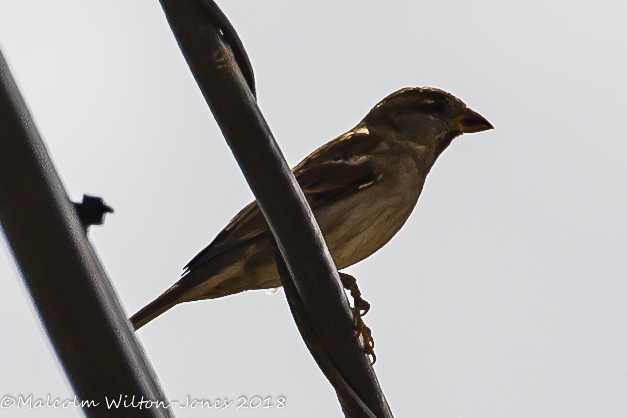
361,308
350,284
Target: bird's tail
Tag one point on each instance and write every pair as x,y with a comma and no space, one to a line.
167,300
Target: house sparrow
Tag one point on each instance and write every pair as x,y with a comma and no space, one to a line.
362,187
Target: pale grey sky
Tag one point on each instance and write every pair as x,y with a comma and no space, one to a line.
503,296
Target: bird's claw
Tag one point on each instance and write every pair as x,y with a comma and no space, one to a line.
362,329
361,308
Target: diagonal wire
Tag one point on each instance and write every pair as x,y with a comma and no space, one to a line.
313,288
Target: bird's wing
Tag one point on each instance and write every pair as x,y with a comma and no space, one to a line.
335,171
248,224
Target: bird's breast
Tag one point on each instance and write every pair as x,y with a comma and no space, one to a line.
359,225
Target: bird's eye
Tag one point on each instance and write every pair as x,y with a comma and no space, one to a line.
436,106
429,107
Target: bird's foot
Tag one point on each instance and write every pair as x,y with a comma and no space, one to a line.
363,330
361,308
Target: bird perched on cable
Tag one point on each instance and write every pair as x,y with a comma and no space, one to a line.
362,186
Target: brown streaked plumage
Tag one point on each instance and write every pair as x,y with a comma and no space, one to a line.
362,187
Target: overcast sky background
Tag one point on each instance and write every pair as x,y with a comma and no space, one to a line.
503,296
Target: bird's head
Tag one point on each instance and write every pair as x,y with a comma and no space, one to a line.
425,116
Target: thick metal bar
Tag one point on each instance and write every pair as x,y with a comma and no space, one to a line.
352,404
316,285
74,298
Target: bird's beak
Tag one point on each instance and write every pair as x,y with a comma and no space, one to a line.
471,122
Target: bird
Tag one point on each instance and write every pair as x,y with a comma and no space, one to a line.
361,186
